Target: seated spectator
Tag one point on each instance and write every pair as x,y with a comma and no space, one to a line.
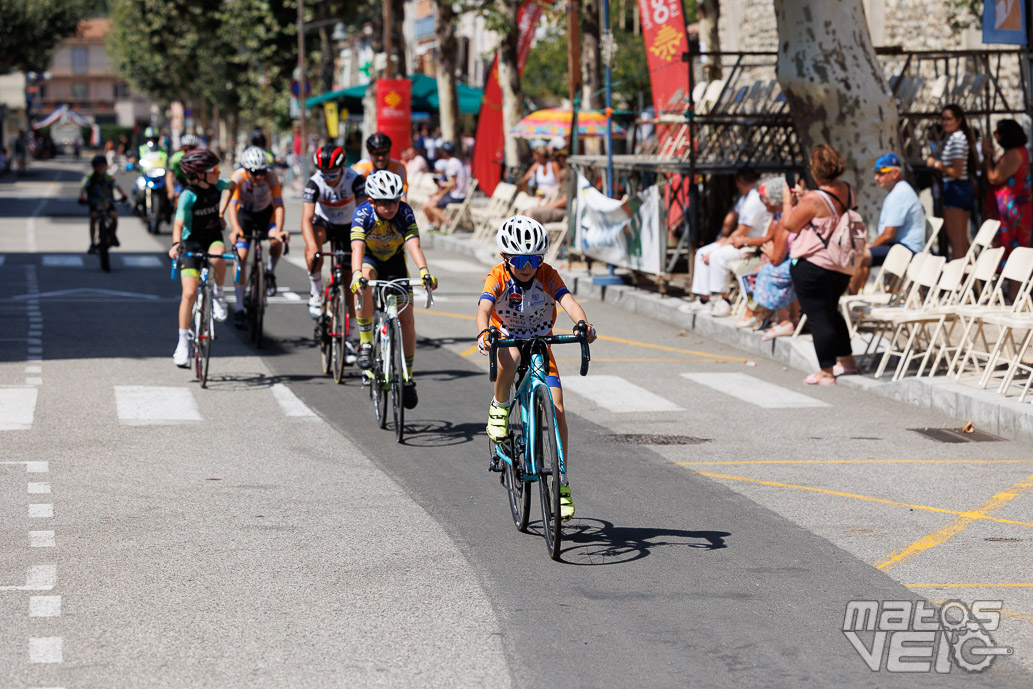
451,188
544,172
414,162
711,269
902,220
552,209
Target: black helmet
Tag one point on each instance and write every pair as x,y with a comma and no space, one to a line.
258,138
378,142
449,148
329,158
99,159
198,161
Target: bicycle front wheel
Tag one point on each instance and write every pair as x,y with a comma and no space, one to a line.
207,335
381,369
518,492
104,246
548,461
398,380
256,305
338,314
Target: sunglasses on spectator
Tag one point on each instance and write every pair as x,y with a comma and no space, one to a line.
521,262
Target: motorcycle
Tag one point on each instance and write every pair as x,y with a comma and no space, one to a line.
151,196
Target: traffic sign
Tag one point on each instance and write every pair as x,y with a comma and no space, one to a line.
295,89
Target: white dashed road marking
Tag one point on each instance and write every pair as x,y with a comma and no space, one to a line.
41,539
47,649
753,390
147,405
455,266
615,394
62,261
38,578
44,606
142,262
41,511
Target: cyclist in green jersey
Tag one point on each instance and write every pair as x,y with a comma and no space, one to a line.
175,180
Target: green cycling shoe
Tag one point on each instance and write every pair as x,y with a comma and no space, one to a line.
566,504
498,422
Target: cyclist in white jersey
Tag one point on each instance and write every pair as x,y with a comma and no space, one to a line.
326,214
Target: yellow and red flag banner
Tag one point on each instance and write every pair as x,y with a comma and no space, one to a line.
394,112
663,30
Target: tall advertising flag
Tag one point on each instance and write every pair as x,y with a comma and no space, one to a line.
394,112
489,151
663,30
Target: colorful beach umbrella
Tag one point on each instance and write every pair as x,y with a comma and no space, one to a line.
545,124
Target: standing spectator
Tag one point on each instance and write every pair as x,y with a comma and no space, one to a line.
21,151
109,153
902,220
452,188
1009,176
817,280
710,273
957,162
4,165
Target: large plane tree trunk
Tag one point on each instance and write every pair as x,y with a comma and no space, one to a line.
836,90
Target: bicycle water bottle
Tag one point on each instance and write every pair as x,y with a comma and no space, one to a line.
392,306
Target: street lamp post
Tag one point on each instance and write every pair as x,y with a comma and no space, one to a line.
303,148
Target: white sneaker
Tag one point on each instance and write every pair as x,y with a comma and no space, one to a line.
720,308
219,311
696,306
181,357
315,306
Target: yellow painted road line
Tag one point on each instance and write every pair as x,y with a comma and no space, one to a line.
962,522
632,360
468,351
447,314
867,498
863,461
966,586
1005,612
663,348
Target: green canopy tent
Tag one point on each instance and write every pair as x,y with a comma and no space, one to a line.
424,96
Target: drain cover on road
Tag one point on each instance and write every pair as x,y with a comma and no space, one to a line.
956,435
655,439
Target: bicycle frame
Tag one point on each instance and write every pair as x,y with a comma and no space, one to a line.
385,301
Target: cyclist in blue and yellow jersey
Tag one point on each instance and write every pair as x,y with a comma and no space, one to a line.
378,146
331,195
382,229
256,206
519,298
198,228
175,180
98,191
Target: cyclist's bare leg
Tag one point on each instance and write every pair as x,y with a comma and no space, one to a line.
114,220
218,264
186,303
242,255
561,420
508,359
408,332
93,227
314,244
370,273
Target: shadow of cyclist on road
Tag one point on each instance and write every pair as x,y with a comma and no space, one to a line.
599,542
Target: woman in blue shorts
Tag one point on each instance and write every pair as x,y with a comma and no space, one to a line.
956,161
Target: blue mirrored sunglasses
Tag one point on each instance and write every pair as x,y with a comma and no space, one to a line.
521,262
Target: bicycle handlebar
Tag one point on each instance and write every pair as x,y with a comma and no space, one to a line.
286,241
207,259
580,335
408,282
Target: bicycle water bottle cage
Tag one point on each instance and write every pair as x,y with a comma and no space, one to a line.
392,306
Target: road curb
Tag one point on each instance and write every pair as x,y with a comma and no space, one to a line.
987,410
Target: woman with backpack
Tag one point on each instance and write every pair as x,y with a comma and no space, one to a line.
822,261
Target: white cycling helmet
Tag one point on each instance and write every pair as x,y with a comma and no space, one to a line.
254,159
189,140
522,236
384,185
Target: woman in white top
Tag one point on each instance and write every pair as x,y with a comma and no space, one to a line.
956,162
546,173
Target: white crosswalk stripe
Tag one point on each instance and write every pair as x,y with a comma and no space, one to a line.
153,405
17,408
142,262
450,265
755,391
615,394
62,261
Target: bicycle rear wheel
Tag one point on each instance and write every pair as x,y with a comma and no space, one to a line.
338,316
207,335
196,326
548,461
518,492
381,368
398,380
104,245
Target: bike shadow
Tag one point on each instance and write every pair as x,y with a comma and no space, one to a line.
594,542
436,433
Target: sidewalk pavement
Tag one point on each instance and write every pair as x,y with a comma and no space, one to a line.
988,411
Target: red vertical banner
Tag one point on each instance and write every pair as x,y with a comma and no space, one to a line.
394,112
489,151
663,30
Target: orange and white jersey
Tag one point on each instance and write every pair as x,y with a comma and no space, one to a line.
524,311
365,168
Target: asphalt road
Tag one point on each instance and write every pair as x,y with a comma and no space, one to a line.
264,532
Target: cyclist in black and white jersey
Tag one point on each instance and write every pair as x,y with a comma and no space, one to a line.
326,214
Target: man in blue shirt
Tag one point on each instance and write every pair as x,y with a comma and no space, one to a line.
902,220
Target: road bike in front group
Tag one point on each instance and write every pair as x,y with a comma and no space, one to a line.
105,236
202,322
335,351
533,451
255,296
388,372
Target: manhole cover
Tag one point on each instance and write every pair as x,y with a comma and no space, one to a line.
655,439
995,539
956,435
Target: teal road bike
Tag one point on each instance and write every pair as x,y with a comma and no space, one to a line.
533,451
202,321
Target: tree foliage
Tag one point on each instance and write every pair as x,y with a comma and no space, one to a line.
31,29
